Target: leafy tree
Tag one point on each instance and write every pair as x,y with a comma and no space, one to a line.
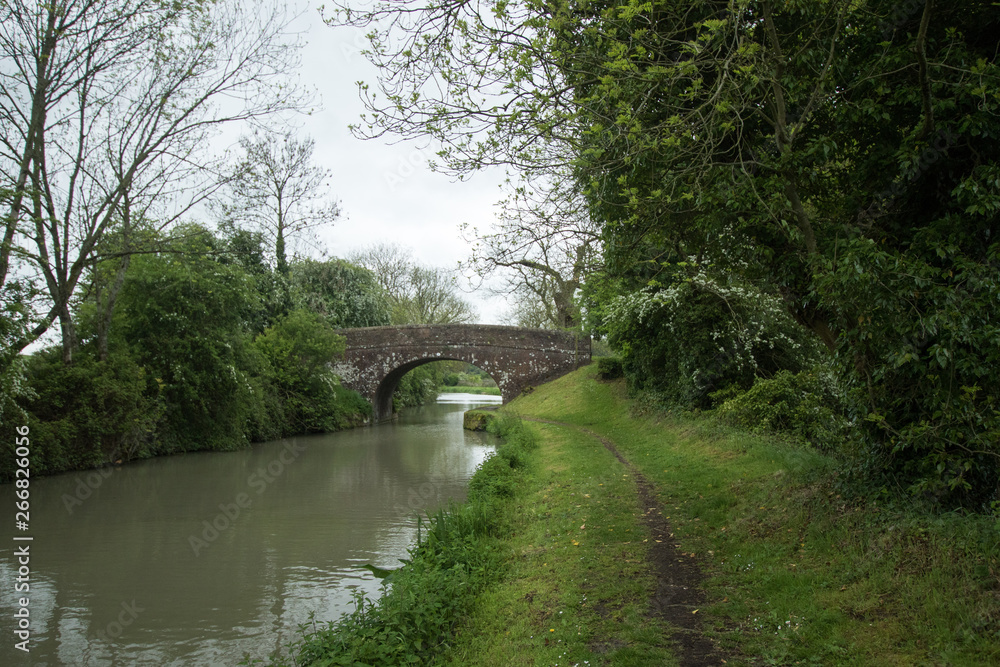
343,294
249,251
277,191
14,322
105,110
304,395
193,339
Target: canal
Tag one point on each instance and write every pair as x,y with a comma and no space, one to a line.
201,559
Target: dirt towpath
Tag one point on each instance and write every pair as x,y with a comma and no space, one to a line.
679,592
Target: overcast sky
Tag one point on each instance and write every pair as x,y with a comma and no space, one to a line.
386,190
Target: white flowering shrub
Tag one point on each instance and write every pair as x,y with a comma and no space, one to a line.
700,336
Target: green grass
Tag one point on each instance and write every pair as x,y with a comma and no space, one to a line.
459,552
546,563
797,573
489,391
577,587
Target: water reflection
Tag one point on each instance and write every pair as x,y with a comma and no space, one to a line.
200,558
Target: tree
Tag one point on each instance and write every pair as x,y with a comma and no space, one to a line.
418,294
431,298
193,339
105,109
276,190
344,295
543,248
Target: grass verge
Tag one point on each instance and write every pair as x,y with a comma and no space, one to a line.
460,551
577,587
797,574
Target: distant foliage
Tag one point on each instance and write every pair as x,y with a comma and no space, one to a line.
610,368
345,295
303,395
419,386
698,336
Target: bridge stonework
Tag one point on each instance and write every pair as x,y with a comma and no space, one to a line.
377,358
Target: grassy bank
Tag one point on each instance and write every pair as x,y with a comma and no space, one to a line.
557,571
488,391
796,573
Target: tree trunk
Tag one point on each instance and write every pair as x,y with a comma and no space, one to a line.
68,329
106,310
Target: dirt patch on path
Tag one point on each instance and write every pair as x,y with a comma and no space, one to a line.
678,593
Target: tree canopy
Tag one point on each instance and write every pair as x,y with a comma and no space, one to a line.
840,155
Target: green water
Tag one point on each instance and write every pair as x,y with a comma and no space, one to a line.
200,559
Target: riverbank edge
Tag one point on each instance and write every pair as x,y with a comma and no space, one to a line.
794,573
459,552
353,420
796,570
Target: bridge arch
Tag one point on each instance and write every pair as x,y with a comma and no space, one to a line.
377,358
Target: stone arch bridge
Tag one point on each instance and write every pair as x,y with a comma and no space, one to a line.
377,358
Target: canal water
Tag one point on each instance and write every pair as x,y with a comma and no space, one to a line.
201,559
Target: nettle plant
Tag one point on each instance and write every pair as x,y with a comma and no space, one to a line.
700,335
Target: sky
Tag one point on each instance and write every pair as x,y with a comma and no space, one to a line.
387,192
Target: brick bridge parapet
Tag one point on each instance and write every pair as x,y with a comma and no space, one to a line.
377,358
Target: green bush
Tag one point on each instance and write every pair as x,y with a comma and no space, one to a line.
303,395
610,368
807,404
699,336
89,413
